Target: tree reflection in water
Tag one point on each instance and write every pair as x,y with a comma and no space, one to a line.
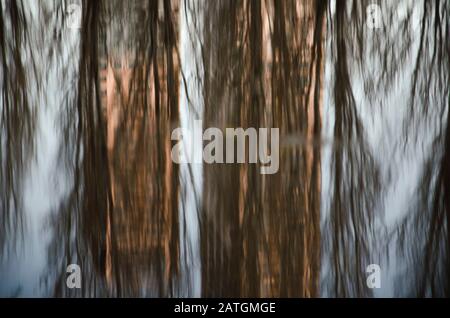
312,68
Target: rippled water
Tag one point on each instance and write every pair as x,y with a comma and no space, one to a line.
86,177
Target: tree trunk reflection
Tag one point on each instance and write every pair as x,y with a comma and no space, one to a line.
364,147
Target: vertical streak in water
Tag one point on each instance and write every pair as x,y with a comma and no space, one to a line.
46,181
191,109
